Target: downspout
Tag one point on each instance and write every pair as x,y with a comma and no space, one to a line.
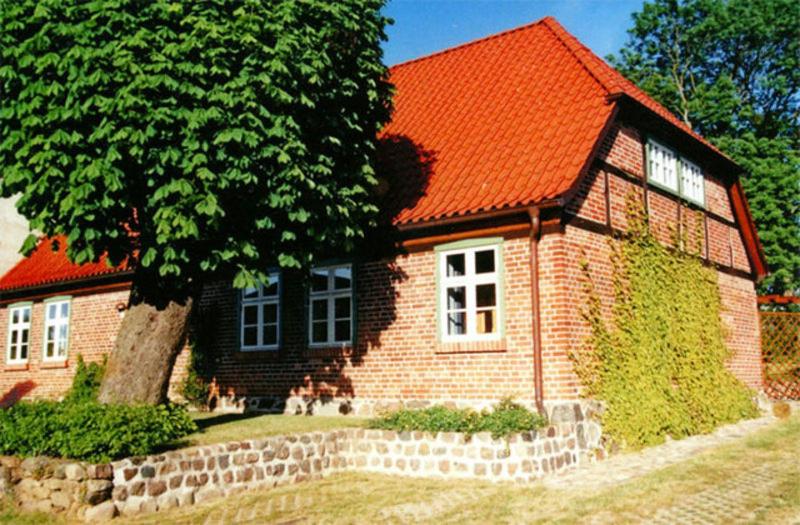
536,332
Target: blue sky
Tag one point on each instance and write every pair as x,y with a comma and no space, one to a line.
424,26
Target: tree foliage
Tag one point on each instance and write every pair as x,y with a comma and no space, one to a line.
659,363
731,70
205,137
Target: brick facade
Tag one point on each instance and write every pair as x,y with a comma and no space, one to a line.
94,322
398,356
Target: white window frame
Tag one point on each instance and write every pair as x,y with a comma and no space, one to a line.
659,159
689,177
57,323
259,301
470,281
20,326
692,182
330,295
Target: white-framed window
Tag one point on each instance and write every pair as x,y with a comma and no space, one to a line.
662,165
19,334
56,330
669,170
470,306
330,320
260,316
692,181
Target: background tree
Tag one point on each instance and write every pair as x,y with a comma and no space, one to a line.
731,70
196,139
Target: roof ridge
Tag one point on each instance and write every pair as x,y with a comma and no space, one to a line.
471,43
573,45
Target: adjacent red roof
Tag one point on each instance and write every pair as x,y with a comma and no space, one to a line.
509,120
46,266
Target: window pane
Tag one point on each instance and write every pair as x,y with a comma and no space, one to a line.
455,265
49,350
14,335
319,280
250,293
23,351
64,310
271,290
319,310
12,353
51,311
456,298
319,332
62,347
62,333
25,335
51,333
485,295
270,314
486,321
342,307
457,323
484,261
250,315
270,334
342,330
26,315
250,336
15,316
342,278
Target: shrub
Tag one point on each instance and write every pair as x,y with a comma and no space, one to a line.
659,365
86,382
781,410
81,428
507,418
89,430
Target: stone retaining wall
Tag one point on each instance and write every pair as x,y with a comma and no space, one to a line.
54,485
196,474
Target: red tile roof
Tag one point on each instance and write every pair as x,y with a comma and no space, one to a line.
505,121
46,266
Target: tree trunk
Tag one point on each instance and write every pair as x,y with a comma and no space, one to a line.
150,338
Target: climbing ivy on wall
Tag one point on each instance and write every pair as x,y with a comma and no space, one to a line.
658,362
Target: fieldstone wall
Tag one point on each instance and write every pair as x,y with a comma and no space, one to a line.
54,485
187,476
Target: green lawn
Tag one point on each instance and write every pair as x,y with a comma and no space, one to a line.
220,428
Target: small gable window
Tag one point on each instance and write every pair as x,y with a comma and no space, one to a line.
668,170
662,165
19,333
56,330
261,316
469,293
331,306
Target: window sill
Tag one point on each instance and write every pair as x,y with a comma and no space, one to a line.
16,367
52,365
471,347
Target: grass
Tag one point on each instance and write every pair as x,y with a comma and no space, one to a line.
220,428
368,498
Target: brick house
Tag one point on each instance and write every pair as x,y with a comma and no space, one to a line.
508,159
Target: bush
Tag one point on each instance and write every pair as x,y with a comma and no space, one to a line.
81,428
507,418
86,382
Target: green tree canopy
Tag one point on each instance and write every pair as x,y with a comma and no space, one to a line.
731,70
208,137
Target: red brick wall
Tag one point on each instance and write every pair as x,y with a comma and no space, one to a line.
561,254
94,323
398,355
